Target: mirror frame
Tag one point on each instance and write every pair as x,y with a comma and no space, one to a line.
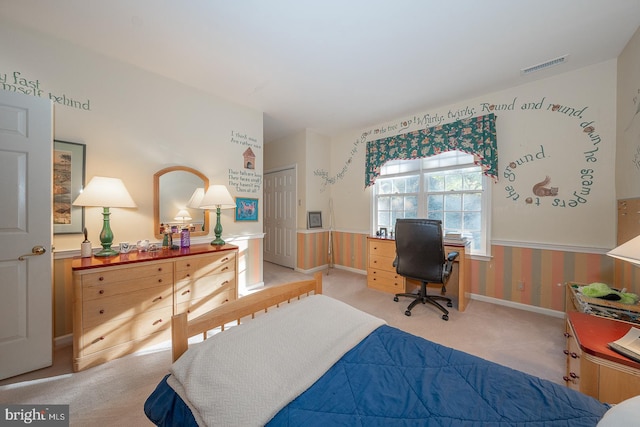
156,198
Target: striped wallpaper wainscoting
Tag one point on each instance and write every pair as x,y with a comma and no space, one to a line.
349,250
312,250
543,272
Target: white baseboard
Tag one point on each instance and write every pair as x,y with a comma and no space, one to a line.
519,306
63,341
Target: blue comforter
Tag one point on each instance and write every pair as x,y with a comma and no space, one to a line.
395,378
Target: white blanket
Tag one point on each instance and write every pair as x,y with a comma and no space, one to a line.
245,375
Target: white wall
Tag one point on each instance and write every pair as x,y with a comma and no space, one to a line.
135,123
539,139
628,149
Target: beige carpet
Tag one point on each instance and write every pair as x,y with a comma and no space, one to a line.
113,394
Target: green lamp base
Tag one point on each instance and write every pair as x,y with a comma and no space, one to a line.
106,252
217,242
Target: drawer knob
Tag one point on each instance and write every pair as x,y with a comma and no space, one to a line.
566,352
225,283
188,275
574,375
101,291
225,268
574,355
186,292
225,259
157,321
101,278
159,280
98,340
157,298
159,268
101,311
188,265
566,378
567,334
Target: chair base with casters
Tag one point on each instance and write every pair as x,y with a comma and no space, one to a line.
423,297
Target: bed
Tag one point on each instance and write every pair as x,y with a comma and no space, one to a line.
317,361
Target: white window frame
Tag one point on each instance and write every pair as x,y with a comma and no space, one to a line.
446,161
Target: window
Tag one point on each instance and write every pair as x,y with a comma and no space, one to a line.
448,187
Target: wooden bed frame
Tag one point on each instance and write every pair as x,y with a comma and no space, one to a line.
182,328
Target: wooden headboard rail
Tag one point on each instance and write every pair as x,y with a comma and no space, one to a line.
182,328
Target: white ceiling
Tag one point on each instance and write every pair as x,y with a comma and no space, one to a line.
333,65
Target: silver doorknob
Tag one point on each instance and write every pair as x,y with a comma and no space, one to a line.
36,250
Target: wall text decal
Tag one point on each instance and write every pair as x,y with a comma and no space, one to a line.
17,82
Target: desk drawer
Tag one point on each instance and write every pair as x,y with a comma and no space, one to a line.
386,248
382,263
385,281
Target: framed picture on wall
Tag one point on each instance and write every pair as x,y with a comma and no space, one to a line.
68,181
314,220
246,209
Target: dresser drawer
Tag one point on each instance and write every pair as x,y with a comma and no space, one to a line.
204,265
193,288
197,307
126,274
385,248
112,333
122,306
109,289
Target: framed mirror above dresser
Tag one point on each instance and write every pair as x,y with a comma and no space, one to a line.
173,189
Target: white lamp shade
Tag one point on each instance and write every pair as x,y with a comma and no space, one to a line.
196,198
217,196
183,215
105,192
629,251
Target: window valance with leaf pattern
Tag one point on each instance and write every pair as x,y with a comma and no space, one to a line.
476,135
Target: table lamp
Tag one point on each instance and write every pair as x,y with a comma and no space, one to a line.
196,198
183,215
629,251
218,197
106,193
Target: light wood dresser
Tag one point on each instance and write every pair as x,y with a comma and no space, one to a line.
381,274
124,303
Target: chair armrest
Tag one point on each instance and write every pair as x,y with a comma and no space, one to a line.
448,266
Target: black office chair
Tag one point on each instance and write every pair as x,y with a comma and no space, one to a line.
420,256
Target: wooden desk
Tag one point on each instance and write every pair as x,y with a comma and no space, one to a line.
381,274
592,367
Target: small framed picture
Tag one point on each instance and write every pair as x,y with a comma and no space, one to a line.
246,209
383,232
68,180
314,220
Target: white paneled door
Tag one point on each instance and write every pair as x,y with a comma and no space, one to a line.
26,321
280,217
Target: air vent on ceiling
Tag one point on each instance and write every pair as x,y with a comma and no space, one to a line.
542,66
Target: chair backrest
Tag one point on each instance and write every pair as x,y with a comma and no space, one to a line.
419,249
